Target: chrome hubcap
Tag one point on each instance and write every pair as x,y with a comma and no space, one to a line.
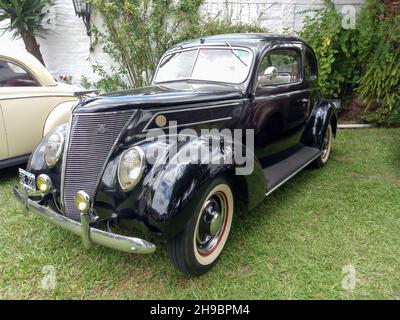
211,224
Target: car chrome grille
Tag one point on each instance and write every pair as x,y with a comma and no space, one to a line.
91,139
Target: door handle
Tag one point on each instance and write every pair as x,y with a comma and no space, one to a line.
304,100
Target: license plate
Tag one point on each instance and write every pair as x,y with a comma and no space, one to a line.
27,179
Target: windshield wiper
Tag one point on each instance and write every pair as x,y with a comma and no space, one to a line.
172,55
234,53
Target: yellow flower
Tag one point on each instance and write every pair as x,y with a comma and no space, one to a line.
109,5
327,43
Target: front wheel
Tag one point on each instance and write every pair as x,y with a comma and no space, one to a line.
197,248
325,149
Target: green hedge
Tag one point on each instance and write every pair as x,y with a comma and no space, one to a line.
362,62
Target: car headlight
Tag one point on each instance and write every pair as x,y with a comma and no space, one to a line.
53,149
131,167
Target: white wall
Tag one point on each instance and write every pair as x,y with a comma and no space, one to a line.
66,48
276,15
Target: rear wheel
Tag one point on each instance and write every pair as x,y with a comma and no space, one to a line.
197,248
325,149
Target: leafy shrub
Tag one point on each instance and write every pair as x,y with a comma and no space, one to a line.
384,117
222,23
335,48
379,43
364,62
136,34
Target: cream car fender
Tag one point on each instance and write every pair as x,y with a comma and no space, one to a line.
59,115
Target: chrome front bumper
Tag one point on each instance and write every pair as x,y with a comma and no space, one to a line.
89,234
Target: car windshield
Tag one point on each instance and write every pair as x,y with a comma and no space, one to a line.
230,65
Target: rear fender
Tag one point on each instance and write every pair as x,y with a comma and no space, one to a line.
323,113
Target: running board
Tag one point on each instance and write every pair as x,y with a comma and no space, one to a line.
277,174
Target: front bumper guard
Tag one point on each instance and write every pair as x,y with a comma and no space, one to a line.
88,234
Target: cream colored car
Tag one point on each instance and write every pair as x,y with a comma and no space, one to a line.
31,104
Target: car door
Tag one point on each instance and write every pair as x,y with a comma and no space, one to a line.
3,138
25,107
280,104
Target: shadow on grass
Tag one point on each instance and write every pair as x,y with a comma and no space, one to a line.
250,220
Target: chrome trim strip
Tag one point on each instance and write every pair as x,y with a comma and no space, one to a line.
100,112
66,144
189,109
290,93
292,175
40,96
207,46
200,105
190,124
87,233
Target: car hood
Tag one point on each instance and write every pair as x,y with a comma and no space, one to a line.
171,94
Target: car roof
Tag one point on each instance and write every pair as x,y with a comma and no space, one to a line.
251,40
26,60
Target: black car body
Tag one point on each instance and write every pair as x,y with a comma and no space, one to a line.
293,127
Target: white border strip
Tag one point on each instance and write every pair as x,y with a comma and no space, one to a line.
354,126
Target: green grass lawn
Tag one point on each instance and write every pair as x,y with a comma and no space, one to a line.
293,245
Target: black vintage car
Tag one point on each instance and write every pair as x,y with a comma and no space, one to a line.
117,161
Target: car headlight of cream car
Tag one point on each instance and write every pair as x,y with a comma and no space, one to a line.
53,149
131,167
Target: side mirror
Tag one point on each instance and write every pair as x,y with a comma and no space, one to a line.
270,73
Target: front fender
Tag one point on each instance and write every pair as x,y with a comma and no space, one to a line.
37,164
323,113
162,203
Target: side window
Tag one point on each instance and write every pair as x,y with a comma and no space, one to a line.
280,67
12,75
310,66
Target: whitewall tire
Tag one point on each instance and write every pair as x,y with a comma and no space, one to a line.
325,148
196,250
